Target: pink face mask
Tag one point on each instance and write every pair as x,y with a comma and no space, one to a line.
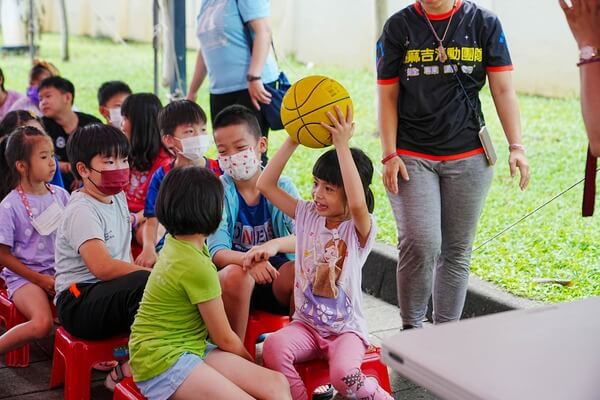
112,181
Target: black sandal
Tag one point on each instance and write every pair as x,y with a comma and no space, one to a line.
115,376
326,395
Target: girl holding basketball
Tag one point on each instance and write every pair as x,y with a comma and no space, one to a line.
334,235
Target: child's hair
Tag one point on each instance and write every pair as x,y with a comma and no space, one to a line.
13,120
41,66
111,88
327,168
2,80
92,140
141,109
18,146
59,83
238,115
179,112
190,201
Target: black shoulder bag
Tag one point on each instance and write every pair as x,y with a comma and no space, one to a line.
278,89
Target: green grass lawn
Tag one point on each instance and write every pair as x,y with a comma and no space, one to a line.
554,243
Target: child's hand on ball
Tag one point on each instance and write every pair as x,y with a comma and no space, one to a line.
341,128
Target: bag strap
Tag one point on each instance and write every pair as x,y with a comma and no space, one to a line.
248,35
589,186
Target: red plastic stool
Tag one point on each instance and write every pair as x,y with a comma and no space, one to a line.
127,390
73,360
12,317
261,322
316,373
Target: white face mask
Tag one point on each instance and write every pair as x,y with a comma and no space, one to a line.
114,117
194,147
49,220
240,166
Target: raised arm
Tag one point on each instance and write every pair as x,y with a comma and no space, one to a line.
507,107
341,131
269,178
583,17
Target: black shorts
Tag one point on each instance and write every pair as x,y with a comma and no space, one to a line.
263,298
219,101
103,309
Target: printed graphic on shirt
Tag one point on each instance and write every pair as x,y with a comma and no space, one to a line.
210,24
327,303
433,115
253,225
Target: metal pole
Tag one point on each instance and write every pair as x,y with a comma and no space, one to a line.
155,43
179,85
31,32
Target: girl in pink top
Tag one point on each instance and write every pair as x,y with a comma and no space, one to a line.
334,235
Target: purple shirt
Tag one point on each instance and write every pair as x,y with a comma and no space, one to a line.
331,309
31,248
11,98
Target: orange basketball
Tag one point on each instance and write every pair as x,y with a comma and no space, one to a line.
305,106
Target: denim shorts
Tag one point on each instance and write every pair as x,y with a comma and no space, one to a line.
162,386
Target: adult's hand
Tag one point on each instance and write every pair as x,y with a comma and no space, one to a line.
583,17
390,173
258,93
518,160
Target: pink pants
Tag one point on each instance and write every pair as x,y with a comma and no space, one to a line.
298,342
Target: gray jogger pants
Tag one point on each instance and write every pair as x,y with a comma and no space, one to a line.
436,213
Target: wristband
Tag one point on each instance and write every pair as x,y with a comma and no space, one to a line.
591,60
134,221
389,157
517,146
251,78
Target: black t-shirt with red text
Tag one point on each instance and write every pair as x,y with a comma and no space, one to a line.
434,117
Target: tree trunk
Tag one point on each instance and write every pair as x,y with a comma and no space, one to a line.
64,31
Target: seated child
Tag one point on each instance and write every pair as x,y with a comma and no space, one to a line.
111,96
98,289
30,214
335,233
57,96
147,153
18,118
182,307
182,125
249,219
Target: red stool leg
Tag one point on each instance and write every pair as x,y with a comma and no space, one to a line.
12,317
57,374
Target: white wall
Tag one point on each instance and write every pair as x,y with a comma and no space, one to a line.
343,32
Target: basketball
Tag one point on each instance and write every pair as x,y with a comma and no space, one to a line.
305,106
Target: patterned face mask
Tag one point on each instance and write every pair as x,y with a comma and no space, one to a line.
240,166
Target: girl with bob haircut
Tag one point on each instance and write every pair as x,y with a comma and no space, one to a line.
182,307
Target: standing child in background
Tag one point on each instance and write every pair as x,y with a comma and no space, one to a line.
334,235
249,219
182,306
111,96
30,214
140,125
182,125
